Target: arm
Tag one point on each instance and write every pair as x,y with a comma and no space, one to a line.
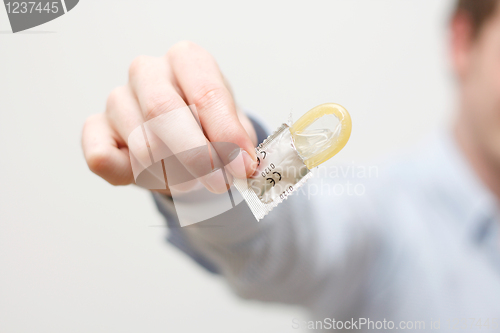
287,260
305,252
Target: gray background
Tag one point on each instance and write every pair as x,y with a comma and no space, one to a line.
78,255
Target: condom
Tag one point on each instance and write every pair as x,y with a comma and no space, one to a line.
285,159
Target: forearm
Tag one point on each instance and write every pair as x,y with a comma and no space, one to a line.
272,260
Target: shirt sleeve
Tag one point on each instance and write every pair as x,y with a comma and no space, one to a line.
307,251
176,237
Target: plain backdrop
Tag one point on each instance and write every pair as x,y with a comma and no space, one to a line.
79,255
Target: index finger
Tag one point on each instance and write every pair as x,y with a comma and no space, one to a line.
202,83
171,123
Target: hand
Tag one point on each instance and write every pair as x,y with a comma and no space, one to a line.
186,75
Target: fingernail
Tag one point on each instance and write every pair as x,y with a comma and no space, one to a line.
250,164
215,180
236,165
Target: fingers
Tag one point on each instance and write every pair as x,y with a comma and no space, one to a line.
125,117
123,112
172,122
103,153
150,80
199,78
153,106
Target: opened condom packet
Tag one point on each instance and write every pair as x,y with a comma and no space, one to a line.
286,158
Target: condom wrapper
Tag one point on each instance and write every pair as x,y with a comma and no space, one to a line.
280,172
286,158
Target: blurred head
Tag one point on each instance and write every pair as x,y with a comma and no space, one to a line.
475,51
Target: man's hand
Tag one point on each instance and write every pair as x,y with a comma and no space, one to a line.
186,75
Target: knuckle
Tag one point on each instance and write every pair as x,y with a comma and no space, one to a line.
157,105
183,46
98,161
114,98
197,161
138,64
92,119
208,95
192,157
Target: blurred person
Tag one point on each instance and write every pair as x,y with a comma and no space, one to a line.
421,247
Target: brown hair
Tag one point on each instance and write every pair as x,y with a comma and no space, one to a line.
479,11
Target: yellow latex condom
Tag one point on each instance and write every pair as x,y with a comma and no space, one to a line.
337,142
